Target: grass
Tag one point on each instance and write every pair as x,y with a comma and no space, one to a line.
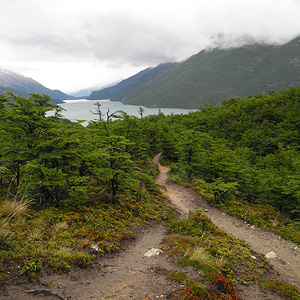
8,211
57,239
222,261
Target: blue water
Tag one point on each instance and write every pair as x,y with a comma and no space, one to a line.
81,109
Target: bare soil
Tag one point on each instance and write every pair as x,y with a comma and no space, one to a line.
128,274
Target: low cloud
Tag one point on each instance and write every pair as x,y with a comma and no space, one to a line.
122,33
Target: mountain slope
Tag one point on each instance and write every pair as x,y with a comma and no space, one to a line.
212,76
23,86
126,88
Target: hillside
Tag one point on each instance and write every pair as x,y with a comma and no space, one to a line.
23,86
86,192
127,88
219,74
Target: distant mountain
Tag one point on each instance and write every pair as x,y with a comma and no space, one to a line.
23,86
215,75
84,93
126,88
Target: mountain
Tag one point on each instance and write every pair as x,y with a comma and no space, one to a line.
126,88
23,86
214,75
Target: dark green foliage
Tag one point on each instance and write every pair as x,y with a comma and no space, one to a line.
246,148
59,163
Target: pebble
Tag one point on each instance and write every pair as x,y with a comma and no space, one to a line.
271,254
152,252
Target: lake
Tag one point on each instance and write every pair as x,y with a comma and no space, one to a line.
81,109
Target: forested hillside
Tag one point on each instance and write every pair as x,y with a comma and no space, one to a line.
214,75
93,184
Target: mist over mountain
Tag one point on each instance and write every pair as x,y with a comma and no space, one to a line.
24,86
212,75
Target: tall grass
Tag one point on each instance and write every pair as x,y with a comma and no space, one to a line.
12,209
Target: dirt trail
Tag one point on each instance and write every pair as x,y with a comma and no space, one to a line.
128,274
287,261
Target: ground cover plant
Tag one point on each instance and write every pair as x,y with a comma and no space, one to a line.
57,239
222,261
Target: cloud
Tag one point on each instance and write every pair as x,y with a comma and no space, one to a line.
118,35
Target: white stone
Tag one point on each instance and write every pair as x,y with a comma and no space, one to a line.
95,247
152,252
254,257
271,254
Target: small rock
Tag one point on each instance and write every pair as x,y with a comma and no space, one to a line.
254,257
152,252
271,254
206,210
253,226
95,247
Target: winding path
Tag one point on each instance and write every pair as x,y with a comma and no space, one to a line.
287,262
128,274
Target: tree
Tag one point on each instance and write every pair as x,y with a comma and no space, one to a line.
23,124
112,165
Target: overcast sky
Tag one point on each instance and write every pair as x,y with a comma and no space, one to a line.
75,44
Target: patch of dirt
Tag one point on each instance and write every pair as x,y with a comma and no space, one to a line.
128,274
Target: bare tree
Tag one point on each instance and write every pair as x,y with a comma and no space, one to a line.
98,111
109,116
141,112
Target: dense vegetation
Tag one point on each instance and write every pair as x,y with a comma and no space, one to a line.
247,149
94,184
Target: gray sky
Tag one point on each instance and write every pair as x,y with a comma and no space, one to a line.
74,44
